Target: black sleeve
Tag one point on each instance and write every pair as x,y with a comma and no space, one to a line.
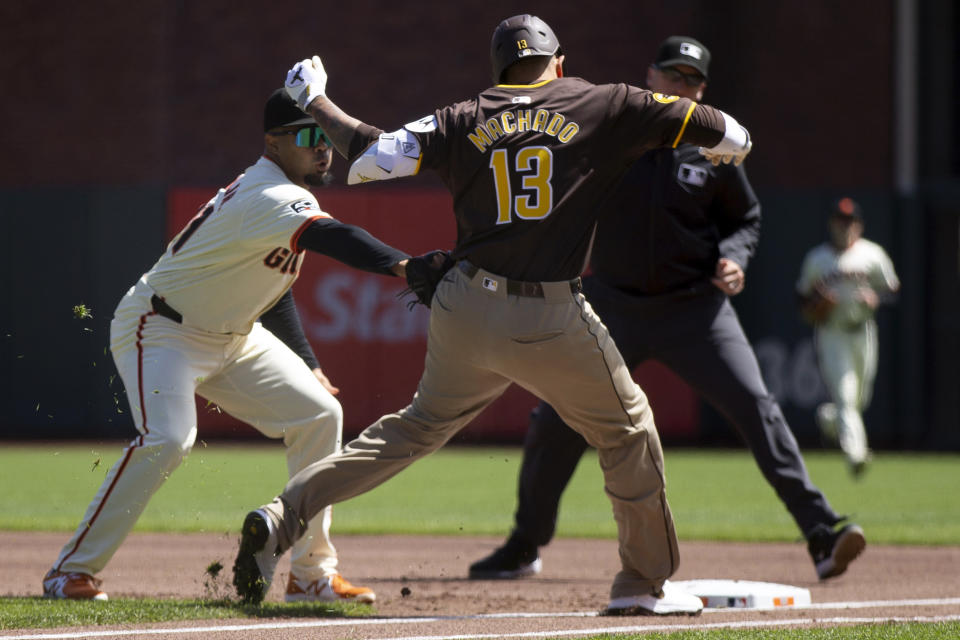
737,213
350,245
283,321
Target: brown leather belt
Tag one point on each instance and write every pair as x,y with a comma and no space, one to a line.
165,310
518,287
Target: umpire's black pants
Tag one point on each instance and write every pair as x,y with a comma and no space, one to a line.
696,333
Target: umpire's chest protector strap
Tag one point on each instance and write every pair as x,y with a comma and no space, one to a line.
393,155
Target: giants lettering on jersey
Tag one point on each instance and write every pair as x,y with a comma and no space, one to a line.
520,120
284,259
858,278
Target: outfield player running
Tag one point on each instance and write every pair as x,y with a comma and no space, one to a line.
188,326
842,282
698,225
527,162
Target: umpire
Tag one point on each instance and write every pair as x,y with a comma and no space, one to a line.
669,251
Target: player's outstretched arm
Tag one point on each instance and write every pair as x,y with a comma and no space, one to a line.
720,137
352,246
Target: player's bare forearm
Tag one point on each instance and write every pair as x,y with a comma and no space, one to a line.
338,126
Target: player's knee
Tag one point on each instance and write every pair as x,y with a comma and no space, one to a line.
325,411
327,418
169,451
335,414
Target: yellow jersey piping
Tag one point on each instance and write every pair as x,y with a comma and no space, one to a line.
525,86
686,119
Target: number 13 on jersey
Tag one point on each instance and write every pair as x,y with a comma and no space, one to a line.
533,166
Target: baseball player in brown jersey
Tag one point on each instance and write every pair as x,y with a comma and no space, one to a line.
698,226
527,162
188,326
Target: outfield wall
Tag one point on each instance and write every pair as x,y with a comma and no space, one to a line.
59,378
113,119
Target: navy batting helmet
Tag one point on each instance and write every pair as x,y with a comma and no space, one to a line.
520,37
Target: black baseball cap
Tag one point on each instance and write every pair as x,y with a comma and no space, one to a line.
847,209
677,50
282,111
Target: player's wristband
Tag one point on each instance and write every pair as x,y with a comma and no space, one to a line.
736,139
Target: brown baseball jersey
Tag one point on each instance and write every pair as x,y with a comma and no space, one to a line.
529,166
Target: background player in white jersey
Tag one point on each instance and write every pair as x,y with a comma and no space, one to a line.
189,326
842,282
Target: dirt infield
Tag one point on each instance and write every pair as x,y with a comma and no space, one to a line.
572,587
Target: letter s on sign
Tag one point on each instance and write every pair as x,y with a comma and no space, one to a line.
331,293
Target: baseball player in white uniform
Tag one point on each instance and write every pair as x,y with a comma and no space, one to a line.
189,326
842,282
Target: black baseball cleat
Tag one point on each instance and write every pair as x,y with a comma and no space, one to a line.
257,559
833,551
514,559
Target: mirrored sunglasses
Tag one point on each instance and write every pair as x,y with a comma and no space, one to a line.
673,75
309,136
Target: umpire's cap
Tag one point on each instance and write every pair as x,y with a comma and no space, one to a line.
281,111
847,209
677,50
520,37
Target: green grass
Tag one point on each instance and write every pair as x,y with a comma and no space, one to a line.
36,612
714,494
866,632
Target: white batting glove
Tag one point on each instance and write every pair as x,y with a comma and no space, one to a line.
306,80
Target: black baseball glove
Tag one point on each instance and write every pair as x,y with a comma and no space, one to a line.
424,274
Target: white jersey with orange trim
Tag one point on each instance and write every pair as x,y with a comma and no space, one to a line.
239,254
863,265
230,263
846,343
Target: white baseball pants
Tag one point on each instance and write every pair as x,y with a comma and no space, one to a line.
848,366
253,377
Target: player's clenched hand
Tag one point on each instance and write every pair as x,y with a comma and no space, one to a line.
736,157
734,146
306,80
728,277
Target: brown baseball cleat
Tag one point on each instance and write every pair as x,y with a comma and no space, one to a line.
334,588
72,586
